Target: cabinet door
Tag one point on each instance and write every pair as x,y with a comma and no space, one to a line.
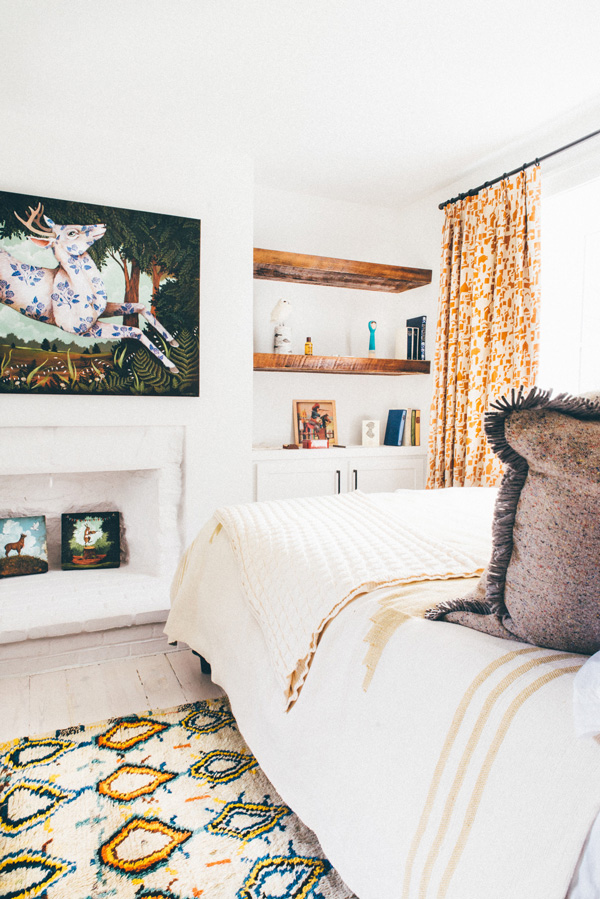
299,477
384,475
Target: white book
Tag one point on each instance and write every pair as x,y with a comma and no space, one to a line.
406,434
401,343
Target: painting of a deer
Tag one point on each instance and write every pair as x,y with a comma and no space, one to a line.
15,547
71,296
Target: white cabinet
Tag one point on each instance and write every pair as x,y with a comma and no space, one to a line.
287,474
373,475
302,477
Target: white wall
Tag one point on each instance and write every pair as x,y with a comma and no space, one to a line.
174,168
336,318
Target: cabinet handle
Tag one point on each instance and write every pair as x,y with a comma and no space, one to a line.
339,480
355,473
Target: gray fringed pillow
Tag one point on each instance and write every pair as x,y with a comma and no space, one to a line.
542,585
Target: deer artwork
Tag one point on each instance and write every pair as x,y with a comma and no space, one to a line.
72,295
17,547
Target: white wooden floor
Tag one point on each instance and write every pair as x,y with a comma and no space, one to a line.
39,703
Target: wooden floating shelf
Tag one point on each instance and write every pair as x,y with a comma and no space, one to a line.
339,365
274,265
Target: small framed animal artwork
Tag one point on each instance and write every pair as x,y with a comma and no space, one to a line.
90,540
315,423
97,299
23,548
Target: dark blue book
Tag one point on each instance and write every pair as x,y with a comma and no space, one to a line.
419,322
395,427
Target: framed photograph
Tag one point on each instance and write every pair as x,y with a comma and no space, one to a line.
97,299
90,540
23,547
314,422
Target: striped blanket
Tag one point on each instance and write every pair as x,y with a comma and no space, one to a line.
451,772
481,777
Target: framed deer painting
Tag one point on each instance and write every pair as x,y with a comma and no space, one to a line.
97,299
23,548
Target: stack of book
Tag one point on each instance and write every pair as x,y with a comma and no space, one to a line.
403,428
412,345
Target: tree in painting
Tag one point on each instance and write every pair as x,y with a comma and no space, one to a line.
138,252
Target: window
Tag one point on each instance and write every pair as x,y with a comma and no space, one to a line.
570,290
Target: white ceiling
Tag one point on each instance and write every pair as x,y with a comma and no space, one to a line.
366,100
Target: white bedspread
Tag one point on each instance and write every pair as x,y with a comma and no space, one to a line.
301,561
455,774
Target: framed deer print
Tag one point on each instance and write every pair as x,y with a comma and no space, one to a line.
97,299
90,540
23,548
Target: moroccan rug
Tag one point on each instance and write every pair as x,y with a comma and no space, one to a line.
161,805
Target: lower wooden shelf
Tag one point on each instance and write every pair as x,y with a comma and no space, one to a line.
339,365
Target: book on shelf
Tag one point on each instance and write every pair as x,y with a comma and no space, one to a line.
406,435
415,427
419,323
412,343
401,343
395,427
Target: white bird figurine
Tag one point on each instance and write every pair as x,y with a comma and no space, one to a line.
281,312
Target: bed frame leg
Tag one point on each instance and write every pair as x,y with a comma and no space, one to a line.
204,666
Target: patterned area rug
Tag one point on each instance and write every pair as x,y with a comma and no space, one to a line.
163,805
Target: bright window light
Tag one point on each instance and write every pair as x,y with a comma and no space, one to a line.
570,307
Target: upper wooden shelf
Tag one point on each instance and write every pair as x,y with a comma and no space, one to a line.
274,265
339,365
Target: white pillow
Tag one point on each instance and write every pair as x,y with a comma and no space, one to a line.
586,698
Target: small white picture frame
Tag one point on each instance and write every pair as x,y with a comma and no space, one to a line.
370,432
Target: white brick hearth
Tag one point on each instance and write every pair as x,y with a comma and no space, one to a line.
66,618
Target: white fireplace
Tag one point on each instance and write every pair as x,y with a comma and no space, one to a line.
70,617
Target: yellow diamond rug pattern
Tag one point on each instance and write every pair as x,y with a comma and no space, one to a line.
162,805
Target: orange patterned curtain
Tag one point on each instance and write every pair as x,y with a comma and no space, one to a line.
488,327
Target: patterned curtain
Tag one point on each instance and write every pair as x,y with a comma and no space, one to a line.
488,325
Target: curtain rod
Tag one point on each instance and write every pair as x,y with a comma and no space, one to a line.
521,168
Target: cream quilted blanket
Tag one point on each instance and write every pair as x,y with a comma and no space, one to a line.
303,560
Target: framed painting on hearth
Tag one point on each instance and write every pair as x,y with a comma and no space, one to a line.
23,548
90,540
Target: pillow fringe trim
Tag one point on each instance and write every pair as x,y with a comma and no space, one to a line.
515,475
576,406
516,472
458,605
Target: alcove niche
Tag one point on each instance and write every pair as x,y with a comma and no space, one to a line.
62,617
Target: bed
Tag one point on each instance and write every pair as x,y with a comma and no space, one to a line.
431,760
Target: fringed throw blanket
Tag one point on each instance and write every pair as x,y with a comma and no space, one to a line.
303,560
